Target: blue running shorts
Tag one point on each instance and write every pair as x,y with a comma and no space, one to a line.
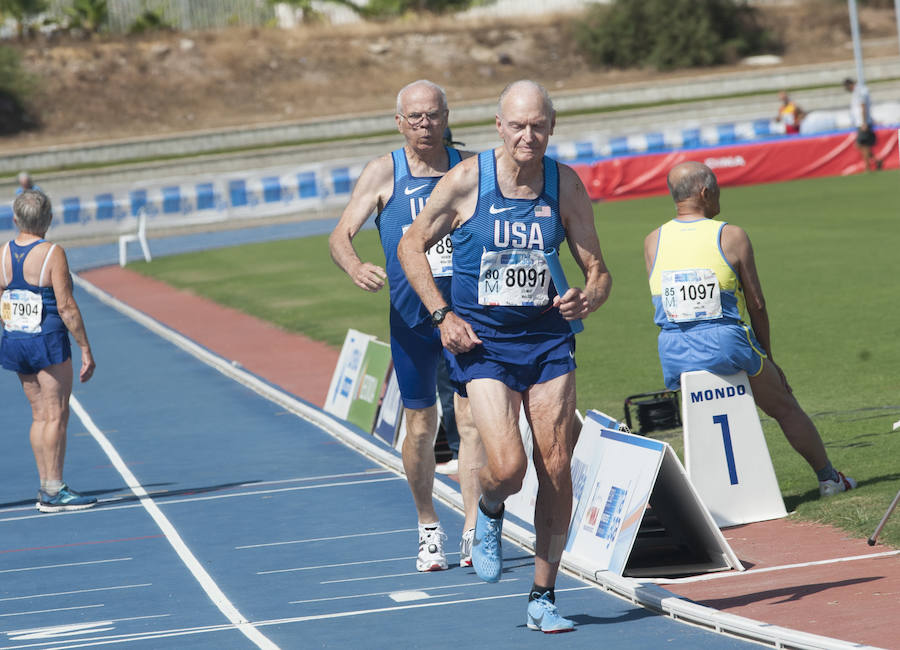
723,349
28,355
416,352
519,361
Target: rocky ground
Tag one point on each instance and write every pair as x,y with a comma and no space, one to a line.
123,87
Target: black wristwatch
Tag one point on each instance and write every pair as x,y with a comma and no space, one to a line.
437,317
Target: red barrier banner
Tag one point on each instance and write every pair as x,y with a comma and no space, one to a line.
740,164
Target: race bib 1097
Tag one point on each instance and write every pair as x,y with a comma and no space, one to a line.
691,295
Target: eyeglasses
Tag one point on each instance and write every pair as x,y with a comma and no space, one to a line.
415,119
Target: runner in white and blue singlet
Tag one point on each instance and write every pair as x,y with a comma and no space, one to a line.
508,328
396,186
38,311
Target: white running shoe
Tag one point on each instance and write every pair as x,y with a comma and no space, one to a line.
431,549
450,467
465,548
830,488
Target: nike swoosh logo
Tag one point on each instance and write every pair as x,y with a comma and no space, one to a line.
413,190
496,210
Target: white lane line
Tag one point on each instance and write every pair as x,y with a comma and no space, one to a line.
783,567
59,566
328,539
164,501
364,578
206,582
322,477
388,593
55,631
77,591
332,566
56,609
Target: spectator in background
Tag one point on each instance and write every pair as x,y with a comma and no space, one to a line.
25,183
789,114
861,114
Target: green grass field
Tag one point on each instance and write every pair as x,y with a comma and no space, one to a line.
827,252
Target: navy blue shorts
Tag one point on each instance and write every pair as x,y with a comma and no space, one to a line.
520,361
28,355
416,352
721,349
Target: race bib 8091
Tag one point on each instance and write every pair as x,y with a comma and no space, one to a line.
517,278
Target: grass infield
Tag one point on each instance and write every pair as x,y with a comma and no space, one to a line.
827,252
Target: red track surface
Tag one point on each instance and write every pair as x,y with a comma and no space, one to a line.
853,600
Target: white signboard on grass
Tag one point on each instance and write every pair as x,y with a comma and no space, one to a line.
347,374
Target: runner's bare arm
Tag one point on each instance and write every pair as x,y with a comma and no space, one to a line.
61,281
370,194
739,252
651,243
577,215
454,195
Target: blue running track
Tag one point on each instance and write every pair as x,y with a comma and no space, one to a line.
227,521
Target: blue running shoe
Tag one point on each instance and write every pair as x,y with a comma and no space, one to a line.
543,615
487,553
65,500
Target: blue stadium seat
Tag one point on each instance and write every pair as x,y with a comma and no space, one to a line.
307,187
206,196
6,217
690,138
655,141
71,209
237,192
619,146
138,200
271,186
584,150
762,128
171,199
340,178
726,133
106,207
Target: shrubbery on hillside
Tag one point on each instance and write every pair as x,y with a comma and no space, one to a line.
13,90
669,34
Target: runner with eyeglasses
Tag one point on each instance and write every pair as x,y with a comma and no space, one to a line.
395,187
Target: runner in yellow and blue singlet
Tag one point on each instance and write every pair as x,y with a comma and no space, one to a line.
699,304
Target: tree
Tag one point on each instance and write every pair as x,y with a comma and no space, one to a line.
22,11
89,15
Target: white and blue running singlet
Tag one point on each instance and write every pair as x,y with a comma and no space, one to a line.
407,201
500,278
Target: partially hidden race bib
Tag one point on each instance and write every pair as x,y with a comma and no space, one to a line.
691,295
440,257
518,278
21,311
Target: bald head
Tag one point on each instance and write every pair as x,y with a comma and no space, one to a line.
525,91
688,179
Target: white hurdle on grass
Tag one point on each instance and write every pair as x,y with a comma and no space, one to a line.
726,455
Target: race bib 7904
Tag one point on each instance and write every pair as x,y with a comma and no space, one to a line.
21,311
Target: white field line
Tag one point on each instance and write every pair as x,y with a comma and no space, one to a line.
196,568
783,567
67,564
77,591
55,609
327,539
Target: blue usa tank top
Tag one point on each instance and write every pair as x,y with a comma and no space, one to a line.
499,278
407,200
